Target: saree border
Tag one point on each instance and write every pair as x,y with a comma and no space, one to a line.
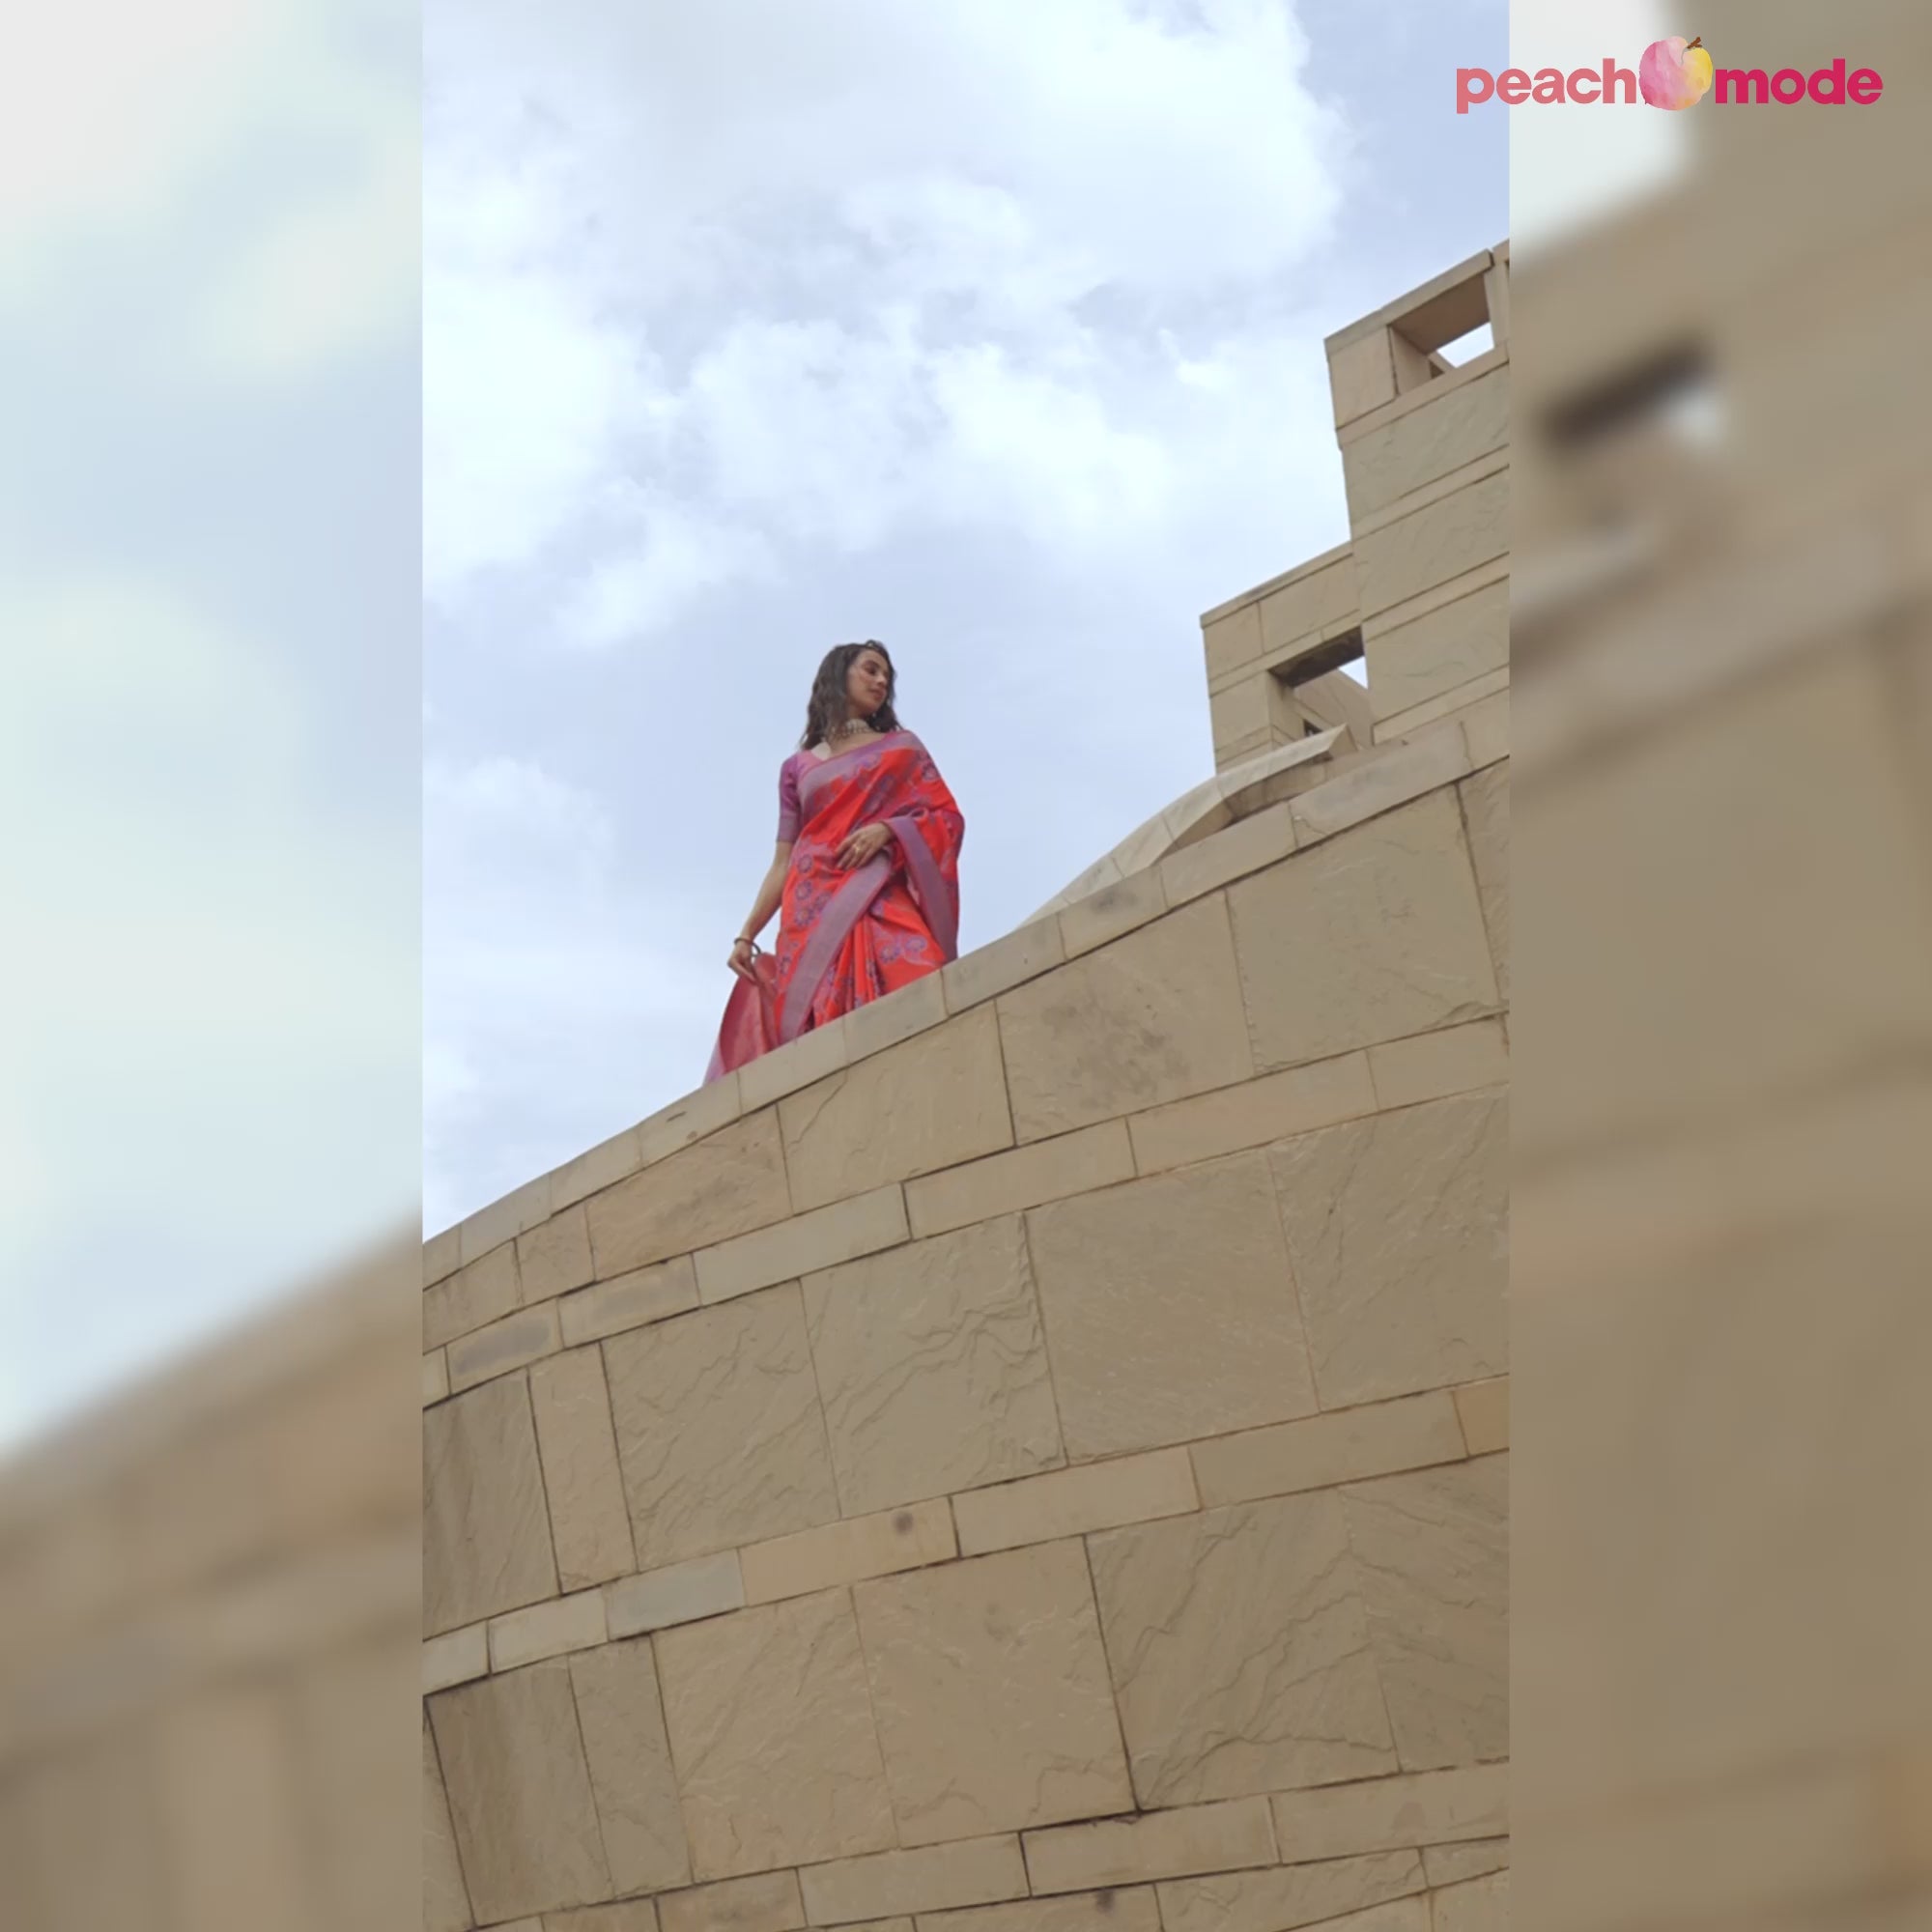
841,912
812,777
942,913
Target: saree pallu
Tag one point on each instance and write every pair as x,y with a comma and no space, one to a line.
849,937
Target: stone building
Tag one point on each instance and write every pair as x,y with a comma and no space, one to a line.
1033,1454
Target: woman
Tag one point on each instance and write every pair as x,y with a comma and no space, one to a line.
866,868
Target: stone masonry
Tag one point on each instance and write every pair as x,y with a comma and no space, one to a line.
1034,1455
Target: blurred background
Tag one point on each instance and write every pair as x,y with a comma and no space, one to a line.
210,1097
1722,962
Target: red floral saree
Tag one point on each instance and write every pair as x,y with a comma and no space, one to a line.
849,937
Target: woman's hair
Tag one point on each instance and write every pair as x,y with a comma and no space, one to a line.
826,705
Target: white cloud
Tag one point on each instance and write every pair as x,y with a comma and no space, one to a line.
333,279
909,216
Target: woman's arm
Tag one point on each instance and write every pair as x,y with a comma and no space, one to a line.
769,891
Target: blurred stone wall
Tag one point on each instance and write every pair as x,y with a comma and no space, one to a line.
208,1604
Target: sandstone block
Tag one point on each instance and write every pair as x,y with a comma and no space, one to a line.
899,1016
445,1899
771,1727
1485,815
1314,601
547,1630
820,1239
990,1689
1253,1114
1134,1911
486,1530
631,1775
590,1525
1027,1176
455,1658
1433,1552
513,1343
1289,1895
1455,1864
933,1879
1424,444
1160,1844
1483,1409
602,1166
1151,1018
1388,1815
925,1104
511,1749
1393,777
470,1297
435,1377
720,1187
1481,1905
629,1301
1249,846
932,1367
443,1256
1170,1310
1398,1230
1486,725
1433,1066
1234,641
503,1220
1242,710
688,1121
1361,375
1115,910
799,1064
1372,935
554,1257
1341,1447
980,976
1074,1502
1405,558
841,1552
1457,703
707,1586
720,1436
1273,1585
770,1902
630,1914
1411,664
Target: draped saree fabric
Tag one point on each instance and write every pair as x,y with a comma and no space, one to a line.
848,937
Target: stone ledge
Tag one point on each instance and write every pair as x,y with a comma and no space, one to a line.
1326,560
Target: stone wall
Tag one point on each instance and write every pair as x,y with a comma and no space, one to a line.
1421,590
207,1636
1029,1457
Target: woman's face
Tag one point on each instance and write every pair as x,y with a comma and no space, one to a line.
868,683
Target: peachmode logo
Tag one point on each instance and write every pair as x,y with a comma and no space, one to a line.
1672,73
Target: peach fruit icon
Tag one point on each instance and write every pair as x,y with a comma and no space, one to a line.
1674,72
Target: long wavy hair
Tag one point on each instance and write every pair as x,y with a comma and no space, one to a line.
827,706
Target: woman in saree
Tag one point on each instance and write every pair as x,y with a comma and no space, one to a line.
866,874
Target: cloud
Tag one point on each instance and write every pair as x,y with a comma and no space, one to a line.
547,984
692,318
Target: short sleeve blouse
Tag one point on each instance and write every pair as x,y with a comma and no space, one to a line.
790,814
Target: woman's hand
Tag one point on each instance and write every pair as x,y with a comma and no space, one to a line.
867,842
743,954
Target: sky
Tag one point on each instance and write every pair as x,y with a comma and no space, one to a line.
209,595
989,329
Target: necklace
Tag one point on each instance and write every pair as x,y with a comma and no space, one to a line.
852,728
